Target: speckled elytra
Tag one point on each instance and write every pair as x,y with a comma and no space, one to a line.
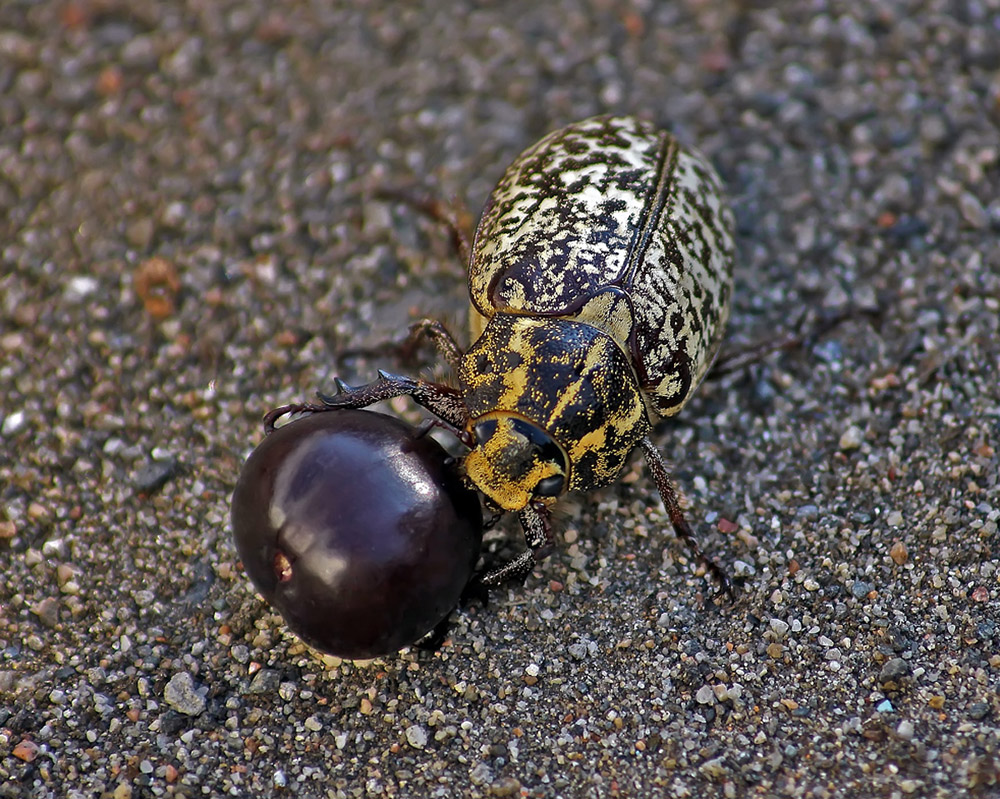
600,279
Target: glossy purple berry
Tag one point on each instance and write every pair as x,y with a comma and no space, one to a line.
358,529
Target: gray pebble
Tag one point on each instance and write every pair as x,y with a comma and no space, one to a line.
180,693
860,589
893,670
416,736
265,681
154,475
481,774
973,211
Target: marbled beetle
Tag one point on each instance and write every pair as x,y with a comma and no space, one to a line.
600,278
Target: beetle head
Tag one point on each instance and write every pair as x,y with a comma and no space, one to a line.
514,462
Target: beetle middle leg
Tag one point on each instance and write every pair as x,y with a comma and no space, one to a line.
452,215
441,337
455,218
668,494
406,350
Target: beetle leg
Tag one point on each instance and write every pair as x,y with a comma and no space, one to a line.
799,335
438,334
668,494
452,215
406,350
434,640
443,401
538,535
272,416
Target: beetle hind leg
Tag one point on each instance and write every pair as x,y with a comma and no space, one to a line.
803,332
665,485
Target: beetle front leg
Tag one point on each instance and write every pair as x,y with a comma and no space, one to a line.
665,485
443,401
538,535
274,414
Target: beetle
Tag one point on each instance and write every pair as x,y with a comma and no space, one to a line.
600,279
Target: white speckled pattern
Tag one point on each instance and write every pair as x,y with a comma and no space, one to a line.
614,202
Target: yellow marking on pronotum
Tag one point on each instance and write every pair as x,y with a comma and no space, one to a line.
515,384
568,399
594,440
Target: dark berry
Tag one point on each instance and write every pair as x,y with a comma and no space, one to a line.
358,529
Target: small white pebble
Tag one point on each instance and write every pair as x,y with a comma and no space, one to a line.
314,724
743,569
12,423
80,287
705,695
416,736
852,438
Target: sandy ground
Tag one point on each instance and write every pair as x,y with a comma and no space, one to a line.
189,235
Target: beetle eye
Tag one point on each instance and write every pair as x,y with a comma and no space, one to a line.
484,431
550,486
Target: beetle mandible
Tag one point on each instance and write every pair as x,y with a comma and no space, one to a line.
600,279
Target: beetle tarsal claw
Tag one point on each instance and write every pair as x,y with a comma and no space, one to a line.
389,377
339,397
271,418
